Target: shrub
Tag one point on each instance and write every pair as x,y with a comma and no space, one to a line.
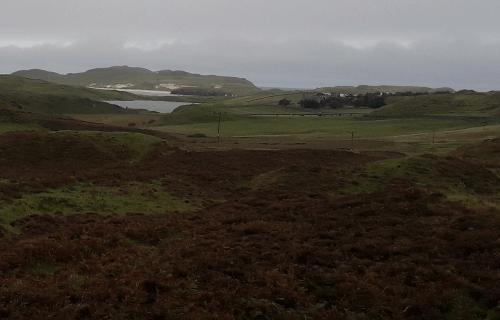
284,102
197,135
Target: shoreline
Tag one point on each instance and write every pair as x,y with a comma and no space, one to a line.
140,91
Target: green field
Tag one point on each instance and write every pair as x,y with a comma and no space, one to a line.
238,120
319,126
428,123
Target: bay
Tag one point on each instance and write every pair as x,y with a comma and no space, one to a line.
157,106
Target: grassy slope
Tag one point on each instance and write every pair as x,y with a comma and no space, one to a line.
459,104
50,98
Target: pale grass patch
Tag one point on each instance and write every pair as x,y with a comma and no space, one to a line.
42,268
8,127
493,202
474,201
148,198
265,180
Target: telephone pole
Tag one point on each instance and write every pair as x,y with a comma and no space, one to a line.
352,138
218,128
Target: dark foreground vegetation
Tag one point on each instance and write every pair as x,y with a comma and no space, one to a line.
99,221
290,234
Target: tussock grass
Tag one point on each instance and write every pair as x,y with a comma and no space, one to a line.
470,184
82,198
8,127
42,269
265,180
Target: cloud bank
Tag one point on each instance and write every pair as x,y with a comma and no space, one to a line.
271,43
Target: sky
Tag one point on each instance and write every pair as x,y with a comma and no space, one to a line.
273,43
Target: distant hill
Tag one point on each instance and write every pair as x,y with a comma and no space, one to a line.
121,77
362,89
40,96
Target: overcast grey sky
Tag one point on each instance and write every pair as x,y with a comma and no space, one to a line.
287,43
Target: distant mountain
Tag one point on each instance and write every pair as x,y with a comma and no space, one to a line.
383,88
124,77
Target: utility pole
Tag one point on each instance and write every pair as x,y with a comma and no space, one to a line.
433,139
218,128
352,138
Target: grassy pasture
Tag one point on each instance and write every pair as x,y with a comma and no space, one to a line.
399,131
238,124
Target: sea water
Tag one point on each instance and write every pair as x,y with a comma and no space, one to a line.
158,106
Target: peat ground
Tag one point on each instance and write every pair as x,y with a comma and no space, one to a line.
279,234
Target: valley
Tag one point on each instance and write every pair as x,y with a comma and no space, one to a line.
389,213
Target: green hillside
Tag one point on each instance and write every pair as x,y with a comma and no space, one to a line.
49,98
141,78
462,103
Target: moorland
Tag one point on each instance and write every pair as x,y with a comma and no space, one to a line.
275,212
